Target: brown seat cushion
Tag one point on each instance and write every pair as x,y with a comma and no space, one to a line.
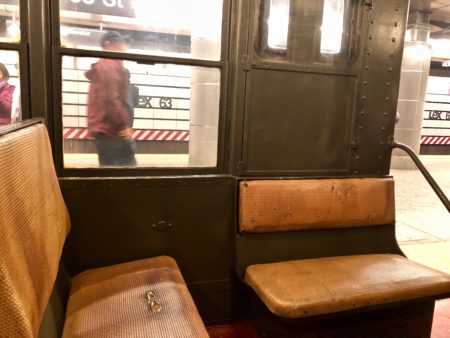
34,223
284,205
112,302
309,287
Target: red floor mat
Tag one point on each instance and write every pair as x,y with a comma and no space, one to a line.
236,330
441,320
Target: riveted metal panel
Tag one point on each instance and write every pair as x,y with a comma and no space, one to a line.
299,122
379,87
120,220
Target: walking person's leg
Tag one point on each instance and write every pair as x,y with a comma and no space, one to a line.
105,151
126,150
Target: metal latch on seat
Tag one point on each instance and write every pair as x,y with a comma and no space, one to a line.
155,305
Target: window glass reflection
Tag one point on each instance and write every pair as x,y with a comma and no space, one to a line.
10,106
177,28
9,21
332,26
120,113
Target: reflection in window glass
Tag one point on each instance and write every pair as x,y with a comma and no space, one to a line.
332,26
120,113
9,21
278,24
180,28
10,107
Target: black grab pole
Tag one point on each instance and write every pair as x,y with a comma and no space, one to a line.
424,172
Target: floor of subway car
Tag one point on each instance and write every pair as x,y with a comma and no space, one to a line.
441,320
244,329
236,330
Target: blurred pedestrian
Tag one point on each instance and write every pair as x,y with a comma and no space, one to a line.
108,108
6,96
16,109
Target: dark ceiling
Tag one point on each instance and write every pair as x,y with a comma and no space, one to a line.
439,9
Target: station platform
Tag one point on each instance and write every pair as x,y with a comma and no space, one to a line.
423,223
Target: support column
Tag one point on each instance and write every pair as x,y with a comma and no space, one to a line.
205,87
413,85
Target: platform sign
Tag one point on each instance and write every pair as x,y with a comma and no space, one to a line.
438,85
105,7
436,118
9,2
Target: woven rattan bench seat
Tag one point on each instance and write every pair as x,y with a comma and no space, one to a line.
113,302
309,287
144,298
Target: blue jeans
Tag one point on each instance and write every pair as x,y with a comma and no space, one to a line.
115,151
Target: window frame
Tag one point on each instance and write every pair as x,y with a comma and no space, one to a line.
58,52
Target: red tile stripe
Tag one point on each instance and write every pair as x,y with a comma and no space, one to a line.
435,140
138,134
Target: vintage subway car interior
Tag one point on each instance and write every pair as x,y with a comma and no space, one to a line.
261,133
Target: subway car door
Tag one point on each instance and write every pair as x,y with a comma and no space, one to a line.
302,68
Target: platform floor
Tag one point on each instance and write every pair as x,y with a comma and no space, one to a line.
421,217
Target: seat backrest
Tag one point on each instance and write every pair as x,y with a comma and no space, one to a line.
285,205
34,223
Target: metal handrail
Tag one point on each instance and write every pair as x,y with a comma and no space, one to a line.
9,128
424,172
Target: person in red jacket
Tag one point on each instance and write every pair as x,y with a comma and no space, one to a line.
6,96
107,109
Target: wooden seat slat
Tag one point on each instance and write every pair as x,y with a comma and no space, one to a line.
287,205
310,287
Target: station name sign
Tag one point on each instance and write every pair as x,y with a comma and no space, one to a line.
104,7
10,2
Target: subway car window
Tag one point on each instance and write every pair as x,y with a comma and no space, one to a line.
141,113
332,27
176,28
122,113
10,21
318,32
278,24
10,106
